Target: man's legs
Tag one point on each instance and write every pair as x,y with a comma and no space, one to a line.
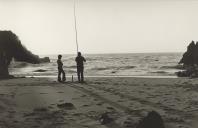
59,75
82,75
78,74
63,77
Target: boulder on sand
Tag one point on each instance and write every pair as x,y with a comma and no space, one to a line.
152,120
105,118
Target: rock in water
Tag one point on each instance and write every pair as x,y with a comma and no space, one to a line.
190,61
44,60
189,56
152,120
190,71
40,70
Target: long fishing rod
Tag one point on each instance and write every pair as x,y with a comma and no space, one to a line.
76,32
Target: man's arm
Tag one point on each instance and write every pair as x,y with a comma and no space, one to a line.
61,63
84,59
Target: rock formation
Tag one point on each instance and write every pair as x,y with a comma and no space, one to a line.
190,57
152,120
11,47
190,61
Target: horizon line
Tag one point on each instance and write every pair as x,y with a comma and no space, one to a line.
110,53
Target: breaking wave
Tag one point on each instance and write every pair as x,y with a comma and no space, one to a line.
114,68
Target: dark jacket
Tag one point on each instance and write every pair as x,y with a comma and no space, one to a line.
80,61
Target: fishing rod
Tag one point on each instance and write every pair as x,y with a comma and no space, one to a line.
76,32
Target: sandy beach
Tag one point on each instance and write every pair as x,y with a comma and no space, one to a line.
43,102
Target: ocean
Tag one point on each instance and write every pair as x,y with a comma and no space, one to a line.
133,64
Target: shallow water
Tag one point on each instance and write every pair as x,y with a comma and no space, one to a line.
134,64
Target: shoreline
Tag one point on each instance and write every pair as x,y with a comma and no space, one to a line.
106,76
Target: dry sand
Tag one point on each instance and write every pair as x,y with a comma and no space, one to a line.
45,103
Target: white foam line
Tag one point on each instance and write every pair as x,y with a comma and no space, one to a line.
108,76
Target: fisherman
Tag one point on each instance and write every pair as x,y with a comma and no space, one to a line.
80,67
60,69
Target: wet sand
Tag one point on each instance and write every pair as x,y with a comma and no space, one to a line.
43,102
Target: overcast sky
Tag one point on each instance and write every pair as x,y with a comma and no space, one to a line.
104,26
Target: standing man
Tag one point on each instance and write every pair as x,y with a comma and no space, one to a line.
60,69
80,67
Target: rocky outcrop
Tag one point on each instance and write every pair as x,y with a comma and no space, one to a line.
190,71
11,47
190,61
190,57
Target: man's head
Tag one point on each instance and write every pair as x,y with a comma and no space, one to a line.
59,56
79,53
